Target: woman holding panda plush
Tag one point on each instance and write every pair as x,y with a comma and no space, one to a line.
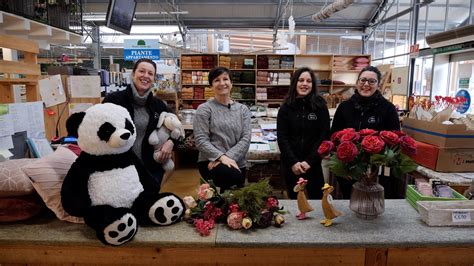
145,111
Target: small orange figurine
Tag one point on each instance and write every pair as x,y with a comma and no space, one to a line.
329,211
303,204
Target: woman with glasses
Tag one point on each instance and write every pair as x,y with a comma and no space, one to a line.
367,108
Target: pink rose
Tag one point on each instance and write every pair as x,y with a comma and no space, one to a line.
189,202
234,220
367,132
325,148
205,192
372,144
347,151
408,145
272,202
389,137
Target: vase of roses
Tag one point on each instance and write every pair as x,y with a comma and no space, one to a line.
359,155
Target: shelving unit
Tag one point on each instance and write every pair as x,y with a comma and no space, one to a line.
27,71
194,71
272,73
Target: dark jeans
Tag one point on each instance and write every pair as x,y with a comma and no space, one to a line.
388,183
223,176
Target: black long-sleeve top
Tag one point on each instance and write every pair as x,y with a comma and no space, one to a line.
301,129
359,112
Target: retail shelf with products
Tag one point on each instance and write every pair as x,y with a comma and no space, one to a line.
242,75
269,75
194,78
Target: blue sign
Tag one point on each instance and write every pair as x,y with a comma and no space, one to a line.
135,49
136,54
465,106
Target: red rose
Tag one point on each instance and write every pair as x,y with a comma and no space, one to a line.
325,148
350,136
372,144
367,132
391,138
347,151
336,136
408,145
399,133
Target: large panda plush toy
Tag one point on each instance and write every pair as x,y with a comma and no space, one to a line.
108,185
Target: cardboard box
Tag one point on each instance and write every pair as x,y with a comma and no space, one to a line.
446,136
444,159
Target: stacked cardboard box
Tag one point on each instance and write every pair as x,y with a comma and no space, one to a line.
443,148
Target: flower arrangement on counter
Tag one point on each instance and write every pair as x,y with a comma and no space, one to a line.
249,207
352,154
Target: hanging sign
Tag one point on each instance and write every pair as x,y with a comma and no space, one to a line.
465,106
134,49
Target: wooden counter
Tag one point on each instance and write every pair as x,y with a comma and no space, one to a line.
398,237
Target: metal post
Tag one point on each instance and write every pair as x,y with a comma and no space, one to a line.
471,10
426,20
414,33
397,34
375,43
384,40
96,47
446,16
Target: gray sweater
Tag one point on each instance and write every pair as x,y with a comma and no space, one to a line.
220,130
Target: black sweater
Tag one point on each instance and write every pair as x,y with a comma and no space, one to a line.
154,108
301,129
359,112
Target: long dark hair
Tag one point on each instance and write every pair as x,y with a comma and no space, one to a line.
217,71
316,100
146,60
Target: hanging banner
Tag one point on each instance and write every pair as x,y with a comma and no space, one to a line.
134,49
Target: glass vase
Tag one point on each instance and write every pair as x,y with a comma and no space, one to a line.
367,197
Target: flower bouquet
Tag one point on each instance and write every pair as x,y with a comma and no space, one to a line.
359,156
352,154
248,207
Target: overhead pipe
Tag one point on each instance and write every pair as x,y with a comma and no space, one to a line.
327,11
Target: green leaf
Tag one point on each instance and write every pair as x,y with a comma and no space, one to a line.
377,159
407,165
338,168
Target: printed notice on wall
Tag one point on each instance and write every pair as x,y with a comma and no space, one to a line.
84,86
52,91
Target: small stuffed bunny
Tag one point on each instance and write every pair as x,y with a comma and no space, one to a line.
168,126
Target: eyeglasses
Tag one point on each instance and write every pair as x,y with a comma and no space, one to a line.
371,81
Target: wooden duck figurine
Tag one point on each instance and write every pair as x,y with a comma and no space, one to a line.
328,209
303,204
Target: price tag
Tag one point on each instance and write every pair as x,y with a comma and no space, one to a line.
386,171
461,216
